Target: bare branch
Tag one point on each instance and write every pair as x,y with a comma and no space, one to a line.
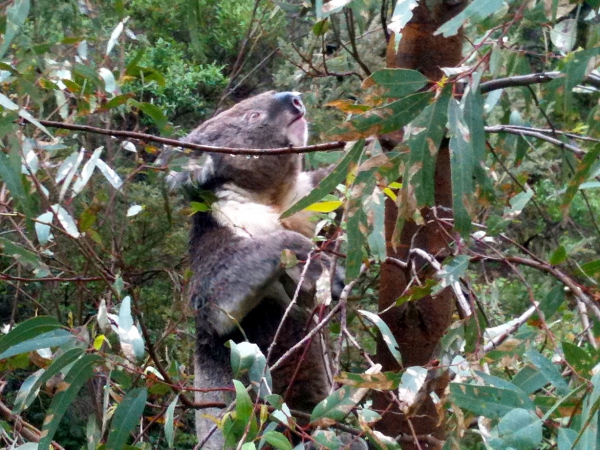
534,78
496,341
523,131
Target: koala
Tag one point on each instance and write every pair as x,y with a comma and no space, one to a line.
239,282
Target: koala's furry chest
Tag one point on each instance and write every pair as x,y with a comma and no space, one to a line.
246,213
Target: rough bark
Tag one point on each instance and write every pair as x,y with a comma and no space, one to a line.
419,326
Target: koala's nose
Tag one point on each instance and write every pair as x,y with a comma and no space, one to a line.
292,99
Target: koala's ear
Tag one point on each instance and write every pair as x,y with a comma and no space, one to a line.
253,116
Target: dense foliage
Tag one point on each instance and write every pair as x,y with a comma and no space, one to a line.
98,333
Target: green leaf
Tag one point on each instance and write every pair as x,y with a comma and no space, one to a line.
21,255
582,173
590,417
374,208
247,358
518,203
169,418
24,398
591,268
337,406
520,429
581,360
89,74
488,401
559,256
54,338
453,270
397,83
325,207
235,425
476,11
386,333
428,130
549,371
327,439
552,301
28,330
529,379
10,173
566,439
385,119
321,27
329,183
473,116
81,371
152,111
16,15
126,418
277,440
462,161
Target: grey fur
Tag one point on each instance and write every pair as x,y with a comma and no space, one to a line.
237,265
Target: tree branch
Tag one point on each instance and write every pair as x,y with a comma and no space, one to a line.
188,145
534,78
523,131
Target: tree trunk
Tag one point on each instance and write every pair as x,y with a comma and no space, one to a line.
419,326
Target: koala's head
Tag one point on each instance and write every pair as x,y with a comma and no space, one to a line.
268,120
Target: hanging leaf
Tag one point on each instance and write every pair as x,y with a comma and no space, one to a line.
110,175
80,373
66,221
27,395
386,333
462,162
86,172
67,170
114,37
402,15
10,174
169,422
426,133
564,35
126,418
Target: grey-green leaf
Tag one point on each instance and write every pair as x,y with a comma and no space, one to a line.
126,418
81,371
52,338
329,183
169,419
399,83
28,330
385,331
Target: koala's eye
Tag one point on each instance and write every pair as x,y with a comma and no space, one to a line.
253,115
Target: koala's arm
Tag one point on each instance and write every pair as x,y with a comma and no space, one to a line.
232,281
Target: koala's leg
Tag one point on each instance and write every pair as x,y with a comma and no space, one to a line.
211,370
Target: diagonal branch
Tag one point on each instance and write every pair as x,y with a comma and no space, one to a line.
523,131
